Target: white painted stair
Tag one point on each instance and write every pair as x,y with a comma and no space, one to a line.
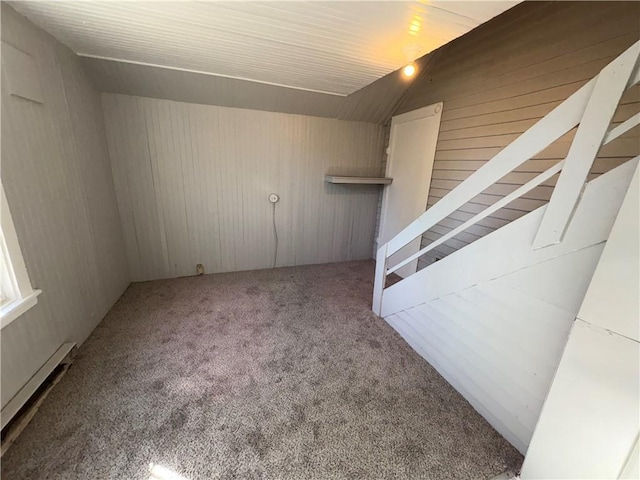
493,318
497,334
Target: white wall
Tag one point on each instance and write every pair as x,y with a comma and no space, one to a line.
57,178
613,299
192,183
590,421
494,317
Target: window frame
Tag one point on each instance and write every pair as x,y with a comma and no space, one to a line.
16,293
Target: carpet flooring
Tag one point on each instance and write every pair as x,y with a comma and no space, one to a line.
271,374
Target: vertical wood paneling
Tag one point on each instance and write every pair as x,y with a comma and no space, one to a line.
193,182
56,174
499,79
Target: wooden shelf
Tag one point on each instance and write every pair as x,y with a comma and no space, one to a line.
358,180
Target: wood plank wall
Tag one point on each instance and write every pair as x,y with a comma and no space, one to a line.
57,177
193,182
498,80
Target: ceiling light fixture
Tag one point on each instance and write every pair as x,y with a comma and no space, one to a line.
410,52
409,70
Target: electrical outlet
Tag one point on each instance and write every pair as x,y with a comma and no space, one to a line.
273,198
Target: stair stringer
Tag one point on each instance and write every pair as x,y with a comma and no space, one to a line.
510,248
493,318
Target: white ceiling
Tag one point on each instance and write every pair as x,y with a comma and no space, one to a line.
331,47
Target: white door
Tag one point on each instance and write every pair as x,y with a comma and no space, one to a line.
412,148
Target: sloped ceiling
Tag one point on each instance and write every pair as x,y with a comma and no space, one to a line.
374,103
334,48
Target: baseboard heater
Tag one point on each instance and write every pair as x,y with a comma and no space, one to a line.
61,357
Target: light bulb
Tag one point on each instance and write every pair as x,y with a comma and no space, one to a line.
409,70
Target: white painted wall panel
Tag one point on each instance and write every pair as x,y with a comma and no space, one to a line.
193,181
57,178
589,423
493,318
501,352
461,380
613,300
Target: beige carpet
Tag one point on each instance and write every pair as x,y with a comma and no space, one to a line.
268,374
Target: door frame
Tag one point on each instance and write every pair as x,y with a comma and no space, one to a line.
424,112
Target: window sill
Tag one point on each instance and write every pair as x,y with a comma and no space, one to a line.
12,310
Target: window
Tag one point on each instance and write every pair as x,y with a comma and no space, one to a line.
16,294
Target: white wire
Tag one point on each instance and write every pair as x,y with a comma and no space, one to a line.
275,233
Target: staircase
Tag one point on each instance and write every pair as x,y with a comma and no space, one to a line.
493,317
